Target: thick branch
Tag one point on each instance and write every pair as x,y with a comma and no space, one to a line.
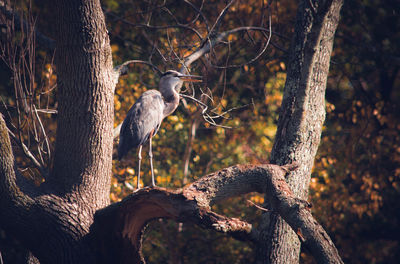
297,214
123,68
117,230
13,203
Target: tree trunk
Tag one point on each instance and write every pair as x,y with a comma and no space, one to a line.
53,220
301,119
85,84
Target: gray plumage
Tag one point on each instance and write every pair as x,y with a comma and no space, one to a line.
145,116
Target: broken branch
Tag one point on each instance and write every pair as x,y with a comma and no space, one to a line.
118,229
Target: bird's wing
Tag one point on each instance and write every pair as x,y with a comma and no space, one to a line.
144,117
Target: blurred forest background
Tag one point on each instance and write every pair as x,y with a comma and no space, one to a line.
355,185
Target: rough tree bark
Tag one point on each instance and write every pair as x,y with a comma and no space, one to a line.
57,221
52,220
85,110
301,118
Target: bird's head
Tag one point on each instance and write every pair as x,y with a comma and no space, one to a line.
171,81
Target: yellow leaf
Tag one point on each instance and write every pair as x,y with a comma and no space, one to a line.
178,126
173,118
114,48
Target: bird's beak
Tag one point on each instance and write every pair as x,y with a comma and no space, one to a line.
190,78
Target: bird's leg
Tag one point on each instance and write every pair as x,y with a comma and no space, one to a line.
140,160
151,160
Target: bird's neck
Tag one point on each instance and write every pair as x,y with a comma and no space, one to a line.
168,91
170,96
171,103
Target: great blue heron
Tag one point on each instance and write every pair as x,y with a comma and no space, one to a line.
145,116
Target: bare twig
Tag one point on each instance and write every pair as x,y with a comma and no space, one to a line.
199,13
259,207
205,48
259,54
206,116
181,26
44,41
46,139
47,111
172,48
26,151
19,55
217,23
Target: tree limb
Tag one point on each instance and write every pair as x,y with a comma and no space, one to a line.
123,68
14,204
118,229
